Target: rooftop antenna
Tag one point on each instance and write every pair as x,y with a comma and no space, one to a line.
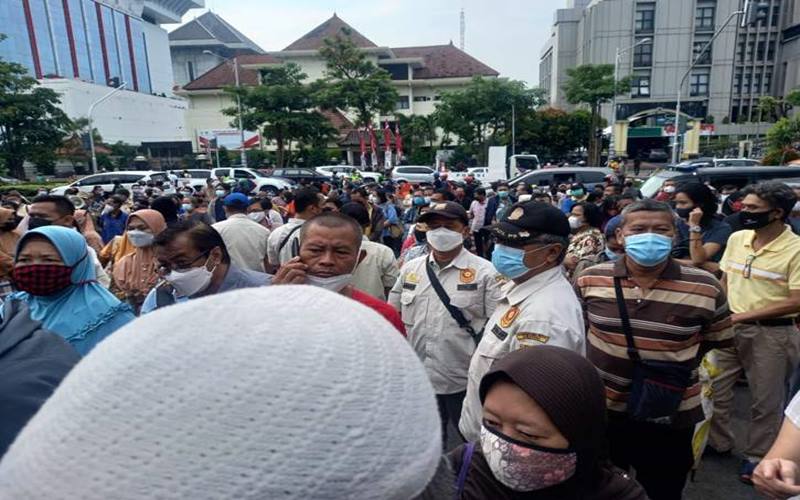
463,28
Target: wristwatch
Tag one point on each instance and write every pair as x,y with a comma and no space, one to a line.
695,229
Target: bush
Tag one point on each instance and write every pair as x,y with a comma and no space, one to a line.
29,190
780,156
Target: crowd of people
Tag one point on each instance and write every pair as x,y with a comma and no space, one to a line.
396,340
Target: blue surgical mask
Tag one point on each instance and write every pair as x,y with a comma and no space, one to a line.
502,194
509,261
419,201
612,256
648,249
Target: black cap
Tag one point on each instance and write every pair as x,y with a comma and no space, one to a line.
447,209
529,219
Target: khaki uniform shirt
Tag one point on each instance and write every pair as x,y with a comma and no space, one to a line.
541,311
378,271
473,285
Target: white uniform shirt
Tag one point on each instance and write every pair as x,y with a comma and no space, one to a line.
473,285
378,271
542,310
793,410
246,241
279,256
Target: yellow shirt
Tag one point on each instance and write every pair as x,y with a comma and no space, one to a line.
773,270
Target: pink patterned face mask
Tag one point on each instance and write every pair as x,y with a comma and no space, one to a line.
525,467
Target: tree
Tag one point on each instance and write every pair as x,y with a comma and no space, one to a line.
419,138
123,154
480,115
354,83
32,126
553,133
282,107
593,85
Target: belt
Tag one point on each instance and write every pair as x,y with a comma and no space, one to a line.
772,322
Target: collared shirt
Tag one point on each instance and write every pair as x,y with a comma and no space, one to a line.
478,211
540,311
378,271
234,279
473,285
285,235
773,270
246,241
685,310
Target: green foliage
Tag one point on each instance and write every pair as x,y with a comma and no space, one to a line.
123,155
593,85
766,109
257,158
783,134
793,98
419,138
282,108
354,83
32,126
780,156
480,115
552,133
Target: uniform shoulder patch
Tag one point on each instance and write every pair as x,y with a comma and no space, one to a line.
516,214
467,275
528,338
412,277
509,316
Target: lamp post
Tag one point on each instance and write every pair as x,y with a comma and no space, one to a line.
675,145
91,122
513,129
238,100
616,78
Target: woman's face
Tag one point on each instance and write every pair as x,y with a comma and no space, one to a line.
578,212
137,224
683,201
38,251
510,410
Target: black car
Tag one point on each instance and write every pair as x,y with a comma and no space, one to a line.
300,175
720,176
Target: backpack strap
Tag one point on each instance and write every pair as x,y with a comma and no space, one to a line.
466,461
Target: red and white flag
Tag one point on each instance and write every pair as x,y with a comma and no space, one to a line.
398,141
373,144
363,143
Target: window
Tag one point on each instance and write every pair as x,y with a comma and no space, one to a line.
740,51
771,51
776,14
421,98
640,85
761,50
114,68
190,70
80,35
41,28
757,82
402,102
16,48
699,45
746,83
698,85
121,31
737,83
397,71
58,25
767,82
645,18
140,56
643,55
704,18
93,38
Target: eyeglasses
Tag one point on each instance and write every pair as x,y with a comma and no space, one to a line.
166,269
748,266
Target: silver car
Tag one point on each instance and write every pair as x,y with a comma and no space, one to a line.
413,173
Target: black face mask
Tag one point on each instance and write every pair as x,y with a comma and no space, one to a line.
35,222
754,220
420,236
683,213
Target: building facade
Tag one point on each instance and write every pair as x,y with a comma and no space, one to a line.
80,47
723,88
420,74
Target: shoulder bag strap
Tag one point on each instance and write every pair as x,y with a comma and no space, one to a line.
288,236
633,353
466,460
455,312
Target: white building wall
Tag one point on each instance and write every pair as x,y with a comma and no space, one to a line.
205,113
202,63
130,117
159,59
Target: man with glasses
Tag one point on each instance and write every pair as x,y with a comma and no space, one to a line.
762,274
194,262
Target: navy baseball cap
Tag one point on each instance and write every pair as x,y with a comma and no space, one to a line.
237,200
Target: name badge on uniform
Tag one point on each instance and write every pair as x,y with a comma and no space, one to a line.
409,286
499,332
470,287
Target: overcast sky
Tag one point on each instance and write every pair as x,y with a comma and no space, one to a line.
505,34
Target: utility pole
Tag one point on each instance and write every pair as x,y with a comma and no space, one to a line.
91,122
513,129
463,29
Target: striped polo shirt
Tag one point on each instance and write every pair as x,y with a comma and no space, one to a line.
686,310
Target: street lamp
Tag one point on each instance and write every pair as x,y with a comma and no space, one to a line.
616,78
91,125
238,100
675,146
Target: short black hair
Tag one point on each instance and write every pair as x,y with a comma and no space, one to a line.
592,214
357,212
266,203
646,205
361,191
448,196
305,198
63,205
204,237
337,202
123,192
702,196
332,220
481,191
778,195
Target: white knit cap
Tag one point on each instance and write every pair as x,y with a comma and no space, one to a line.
276,392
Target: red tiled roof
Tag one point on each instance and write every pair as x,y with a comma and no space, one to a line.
223,74
444,61
313,40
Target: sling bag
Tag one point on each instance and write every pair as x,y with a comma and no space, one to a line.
455,312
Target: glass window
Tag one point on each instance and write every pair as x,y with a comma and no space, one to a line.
17,47
767,81
643,55
640,85
79,34
698,85
737,83
704,17
58,23
746,83
402,102
397,71
124,49
140,56
44,43
645,18
93,40
699,44
114,68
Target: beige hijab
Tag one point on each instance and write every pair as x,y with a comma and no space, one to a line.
135,274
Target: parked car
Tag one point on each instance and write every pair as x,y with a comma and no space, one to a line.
347,171
300,175
719,176
107,180
588,176
658,155
271,185
715,162
412,173
197,177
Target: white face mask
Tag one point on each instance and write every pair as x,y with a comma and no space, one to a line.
332,283
374,199
669,189
191,281
444,240
257,216
575,222
140,238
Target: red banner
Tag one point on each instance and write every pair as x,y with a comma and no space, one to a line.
363,142
373,143
387,138
398,140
